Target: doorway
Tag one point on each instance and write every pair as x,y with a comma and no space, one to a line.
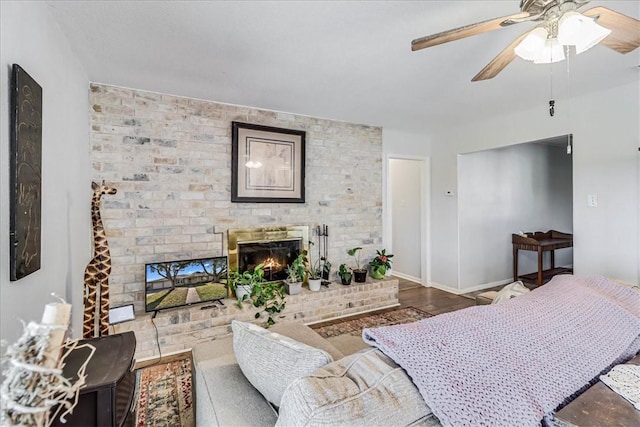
407,216
524,187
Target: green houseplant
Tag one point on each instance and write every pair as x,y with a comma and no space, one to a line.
314,271
359,273
345,274
295,275
380,264
242,284
268,297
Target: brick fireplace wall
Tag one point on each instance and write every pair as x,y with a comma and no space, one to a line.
170,159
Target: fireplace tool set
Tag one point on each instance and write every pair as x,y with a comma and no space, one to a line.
322,231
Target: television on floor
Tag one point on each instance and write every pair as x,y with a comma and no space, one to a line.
181,283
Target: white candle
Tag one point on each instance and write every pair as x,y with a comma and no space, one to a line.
56,313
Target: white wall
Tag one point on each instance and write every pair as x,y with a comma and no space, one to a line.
605,164
606,139
525,187
30,37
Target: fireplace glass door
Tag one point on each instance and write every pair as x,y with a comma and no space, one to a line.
275,255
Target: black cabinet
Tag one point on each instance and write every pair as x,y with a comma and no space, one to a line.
106,397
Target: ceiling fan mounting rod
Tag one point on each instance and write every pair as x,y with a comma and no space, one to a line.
540,7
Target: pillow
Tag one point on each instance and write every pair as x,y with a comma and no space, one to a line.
271,361
512,290
364,389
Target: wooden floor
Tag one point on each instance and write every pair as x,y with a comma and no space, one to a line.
431,300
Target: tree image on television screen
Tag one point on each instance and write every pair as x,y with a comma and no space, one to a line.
172,284
170,271
218,269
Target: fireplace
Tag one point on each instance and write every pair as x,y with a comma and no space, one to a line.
276,247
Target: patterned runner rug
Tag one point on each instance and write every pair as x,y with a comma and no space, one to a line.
165,395
353,326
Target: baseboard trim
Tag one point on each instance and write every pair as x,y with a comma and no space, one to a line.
445,288
165,358
407,277
487,285
471,289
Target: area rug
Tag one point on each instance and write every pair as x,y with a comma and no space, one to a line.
354,326
165,395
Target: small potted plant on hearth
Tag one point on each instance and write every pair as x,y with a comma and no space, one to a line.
314,271
251,286
295,275
359,273
379,265
345,274
242,284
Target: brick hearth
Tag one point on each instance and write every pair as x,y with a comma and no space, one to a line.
181,329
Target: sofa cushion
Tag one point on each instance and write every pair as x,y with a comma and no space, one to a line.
306,335
364,389
271,361
223,395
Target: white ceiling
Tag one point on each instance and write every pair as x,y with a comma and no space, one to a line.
344,60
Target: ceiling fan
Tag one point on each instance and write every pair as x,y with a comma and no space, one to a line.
560,25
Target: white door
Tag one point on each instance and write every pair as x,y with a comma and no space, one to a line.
407,209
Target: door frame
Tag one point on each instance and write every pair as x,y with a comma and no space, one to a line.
425,215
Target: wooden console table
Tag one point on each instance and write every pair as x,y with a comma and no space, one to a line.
540,242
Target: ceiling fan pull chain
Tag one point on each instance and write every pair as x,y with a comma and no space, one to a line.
552,102
569,134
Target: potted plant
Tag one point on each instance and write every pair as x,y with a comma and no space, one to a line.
243,283
251,285
270,297
359,273
295,275
380,264
345,274
314,270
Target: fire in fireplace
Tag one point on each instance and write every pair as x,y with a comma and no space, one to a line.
275,256
275,247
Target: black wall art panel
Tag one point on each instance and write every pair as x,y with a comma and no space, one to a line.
26,174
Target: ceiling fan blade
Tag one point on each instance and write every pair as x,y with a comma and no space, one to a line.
498,63
625,30
466,31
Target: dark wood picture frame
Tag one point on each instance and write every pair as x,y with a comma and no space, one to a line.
267,164
25,194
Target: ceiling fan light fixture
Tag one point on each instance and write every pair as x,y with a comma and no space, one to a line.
575,29
597,33
552,52
531,46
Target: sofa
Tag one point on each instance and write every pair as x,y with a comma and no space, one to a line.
224,396
364,381
480,365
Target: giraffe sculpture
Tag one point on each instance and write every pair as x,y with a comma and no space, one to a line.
96,274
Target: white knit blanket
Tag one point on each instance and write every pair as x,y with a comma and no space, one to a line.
514,363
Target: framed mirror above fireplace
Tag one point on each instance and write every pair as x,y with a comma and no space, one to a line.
275,247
